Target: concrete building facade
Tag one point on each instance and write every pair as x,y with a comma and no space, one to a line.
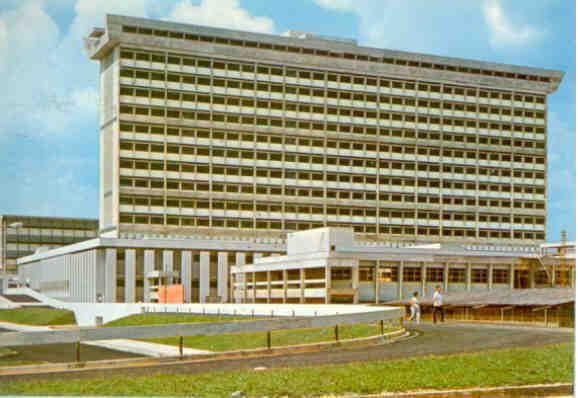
244,134
22,235
124,269
328,265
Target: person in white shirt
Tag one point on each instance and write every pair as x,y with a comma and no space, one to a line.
414,308
438,302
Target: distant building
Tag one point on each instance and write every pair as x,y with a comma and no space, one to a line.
23,235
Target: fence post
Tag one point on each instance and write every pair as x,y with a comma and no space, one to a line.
268,339
181,341
77,349
337,333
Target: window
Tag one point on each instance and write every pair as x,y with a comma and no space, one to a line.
434,274
366,274
388,274
412,274
479,276
340,274
457,275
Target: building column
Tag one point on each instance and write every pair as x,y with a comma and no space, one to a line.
400,281
490,276
186,274
285,276
223,276
376,280
240,260
423,278
110,276
302,286
446,276
149,266
512,275
327,284
532,275
168,265
129,275
355,282
204,276
254,290
572,276
469,277
268,287
553,275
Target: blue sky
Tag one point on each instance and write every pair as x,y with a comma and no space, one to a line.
49,89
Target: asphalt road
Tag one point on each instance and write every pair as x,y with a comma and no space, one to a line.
428,339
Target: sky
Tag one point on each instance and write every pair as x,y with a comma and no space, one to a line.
49,89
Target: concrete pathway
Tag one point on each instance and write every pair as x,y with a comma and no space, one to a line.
124,345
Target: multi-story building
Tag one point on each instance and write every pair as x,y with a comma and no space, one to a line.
244,133
22,235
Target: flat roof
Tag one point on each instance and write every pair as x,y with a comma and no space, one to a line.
516,297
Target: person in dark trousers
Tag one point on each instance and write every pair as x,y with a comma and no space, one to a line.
438,302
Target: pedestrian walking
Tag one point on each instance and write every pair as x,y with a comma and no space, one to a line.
438,302
414,308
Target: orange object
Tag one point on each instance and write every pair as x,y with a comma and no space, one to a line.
171,294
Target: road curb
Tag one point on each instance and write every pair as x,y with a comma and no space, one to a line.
537,390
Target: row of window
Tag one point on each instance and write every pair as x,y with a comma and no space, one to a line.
278,207
455,275
259,172
370,100
456,156
294,225
304,192
187,60
278,122
320,142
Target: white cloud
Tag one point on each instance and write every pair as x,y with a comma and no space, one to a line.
503,32
340,5
223,13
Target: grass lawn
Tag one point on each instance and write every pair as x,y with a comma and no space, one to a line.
549,364
242,341
163,319
38,316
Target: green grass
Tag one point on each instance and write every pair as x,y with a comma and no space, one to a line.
38,316
163,319
549,364
243,341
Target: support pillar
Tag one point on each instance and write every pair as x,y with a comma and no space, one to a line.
553,275
149,266
327,284
446,276
186,274
400,281
423,278
223,276
490,276
469,277
168,265
376,282
532,275
240,260
285,276
110,276
512,275
129,275
355,282
302,286
268,287
254,290
204,276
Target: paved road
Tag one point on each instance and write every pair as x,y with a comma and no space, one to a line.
448,338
